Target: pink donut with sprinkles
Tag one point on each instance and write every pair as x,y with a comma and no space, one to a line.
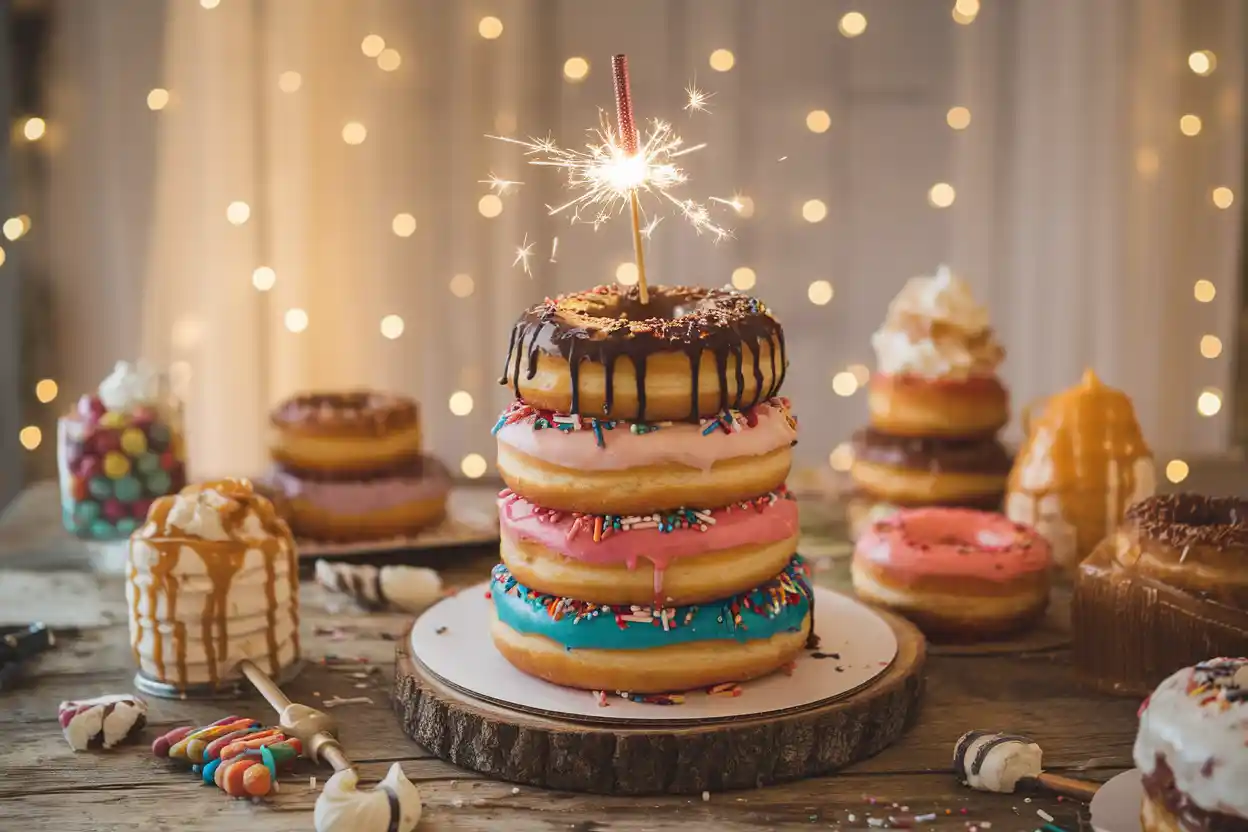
959,574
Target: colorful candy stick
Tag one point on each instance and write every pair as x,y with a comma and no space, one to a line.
191,747
166,741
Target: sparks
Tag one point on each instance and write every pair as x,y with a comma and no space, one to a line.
648,228
524,252
554,247
697,99
603,176
499,185
734,202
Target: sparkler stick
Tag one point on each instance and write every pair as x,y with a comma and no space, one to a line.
628,141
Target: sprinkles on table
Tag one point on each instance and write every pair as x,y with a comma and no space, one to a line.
766,601
603,526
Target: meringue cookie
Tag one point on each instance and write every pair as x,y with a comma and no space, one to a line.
995,762
393,804
101,722
406,588
128,386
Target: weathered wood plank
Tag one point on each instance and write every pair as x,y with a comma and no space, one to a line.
172,801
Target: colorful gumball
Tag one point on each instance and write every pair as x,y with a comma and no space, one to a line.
88,467
86,512
100,488
113,510
140,508
158,484
133,441
102,530
158,437
90,408
168,461
142,416
113,419
148,463
105,441
116,465
78,489
126,526
128,489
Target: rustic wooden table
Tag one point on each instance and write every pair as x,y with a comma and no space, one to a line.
45,785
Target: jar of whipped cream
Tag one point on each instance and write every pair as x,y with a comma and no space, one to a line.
121,448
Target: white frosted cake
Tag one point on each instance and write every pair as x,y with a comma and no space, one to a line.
212,579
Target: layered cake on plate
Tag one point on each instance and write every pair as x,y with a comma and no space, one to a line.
648,541
212,579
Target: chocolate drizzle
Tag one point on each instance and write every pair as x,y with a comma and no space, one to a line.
1160,787
607,323
1182,520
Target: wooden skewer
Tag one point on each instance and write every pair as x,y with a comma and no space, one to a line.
315,729
1066,786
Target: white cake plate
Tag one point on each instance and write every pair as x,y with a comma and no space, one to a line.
1116,806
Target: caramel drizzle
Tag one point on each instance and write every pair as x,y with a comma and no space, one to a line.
222,560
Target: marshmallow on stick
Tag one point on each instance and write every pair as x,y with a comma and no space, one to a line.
405,588
993,762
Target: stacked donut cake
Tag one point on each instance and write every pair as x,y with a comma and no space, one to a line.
936,405
648,541
1192,749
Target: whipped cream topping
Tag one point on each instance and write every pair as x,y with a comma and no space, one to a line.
129,386
936,329
103,721
393,805
1197,722
228,510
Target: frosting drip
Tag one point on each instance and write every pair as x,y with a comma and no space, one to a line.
936,329
779,606
1196,724
756,431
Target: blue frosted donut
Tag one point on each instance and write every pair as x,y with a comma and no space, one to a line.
778,606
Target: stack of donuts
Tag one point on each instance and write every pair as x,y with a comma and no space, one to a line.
936,406
648,540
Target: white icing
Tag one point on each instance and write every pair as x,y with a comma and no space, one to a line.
198,513
91,722
410,588
1045,516
129,386
342,808
1003,766
1203,737
929,330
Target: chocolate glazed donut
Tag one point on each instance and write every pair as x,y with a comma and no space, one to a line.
607,323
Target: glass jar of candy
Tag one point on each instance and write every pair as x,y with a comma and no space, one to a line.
117,452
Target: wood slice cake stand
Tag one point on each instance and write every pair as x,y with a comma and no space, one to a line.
835,709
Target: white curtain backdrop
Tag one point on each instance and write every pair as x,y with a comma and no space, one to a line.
1083,216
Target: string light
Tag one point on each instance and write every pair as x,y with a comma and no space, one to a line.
626,273
1209,402
238,212
1176,471
964,11
1147,162
852,24
157,99
575,69
818,121
392,326
1223,197
1210,346
46,390
14,228
403,225
813,210
354,133
842,457
34,128
296,320
844,384
959,118
372,45
289,81
3,257
473,466
460,403
210,4
1189,125
820,293
490,28
462,285
743,278
722,60
263,278
30,437
744,205
941,195
389,60
1204,291
862,373
490,206
1203,62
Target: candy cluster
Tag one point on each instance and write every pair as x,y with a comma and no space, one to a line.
236,754
116,454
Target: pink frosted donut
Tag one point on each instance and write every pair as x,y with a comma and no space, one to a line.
680,556
959,574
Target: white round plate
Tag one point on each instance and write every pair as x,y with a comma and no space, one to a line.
452,639
1116,806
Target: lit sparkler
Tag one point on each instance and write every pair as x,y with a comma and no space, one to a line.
499,185
697,99
620,166
524,253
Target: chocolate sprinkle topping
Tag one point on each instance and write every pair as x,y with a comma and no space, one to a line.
1182,520
353,412
606,323
983,455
